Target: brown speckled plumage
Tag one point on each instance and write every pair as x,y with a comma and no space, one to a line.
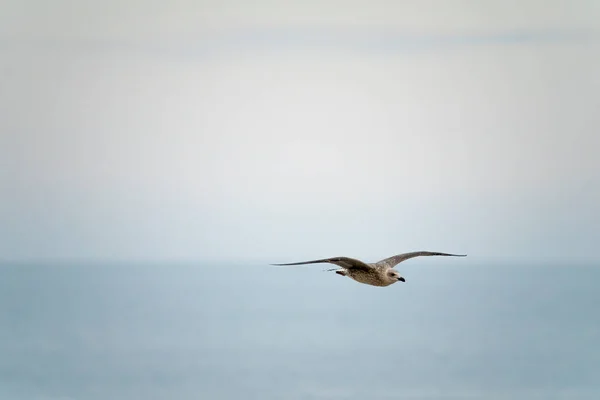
381,273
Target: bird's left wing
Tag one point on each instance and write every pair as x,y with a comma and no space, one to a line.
344,262
391,262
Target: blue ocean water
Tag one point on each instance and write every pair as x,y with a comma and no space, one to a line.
258,332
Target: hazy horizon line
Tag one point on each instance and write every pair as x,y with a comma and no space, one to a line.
372,40
95,261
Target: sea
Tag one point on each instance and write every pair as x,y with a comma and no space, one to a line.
110,331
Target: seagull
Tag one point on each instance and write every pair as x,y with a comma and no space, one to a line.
381,273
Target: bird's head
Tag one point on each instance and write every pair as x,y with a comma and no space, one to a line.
393,276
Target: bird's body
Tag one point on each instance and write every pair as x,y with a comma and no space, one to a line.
381,273
376,277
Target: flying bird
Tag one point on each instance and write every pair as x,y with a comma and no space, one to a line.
381,273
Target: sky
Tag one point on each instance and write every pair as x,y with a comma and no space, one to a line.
238,130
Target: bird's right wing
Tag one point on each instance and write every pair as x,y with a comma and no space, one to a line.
344,262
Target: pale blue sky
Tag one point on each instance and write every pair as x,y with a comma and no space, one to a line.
248,130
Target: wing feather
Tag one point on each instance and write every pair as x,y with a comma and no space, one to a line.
391,262
344,262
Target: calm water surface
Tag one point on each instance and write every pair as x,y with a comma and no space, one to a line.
256,332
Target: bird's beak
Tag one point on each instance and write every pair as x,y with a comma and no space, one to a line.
401,279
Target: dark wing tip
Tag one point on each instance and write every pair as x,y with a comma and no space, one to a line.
452,255
302,263
324,260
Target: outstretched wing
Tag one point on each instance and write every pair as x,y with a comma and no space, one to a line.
391,262
344,262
